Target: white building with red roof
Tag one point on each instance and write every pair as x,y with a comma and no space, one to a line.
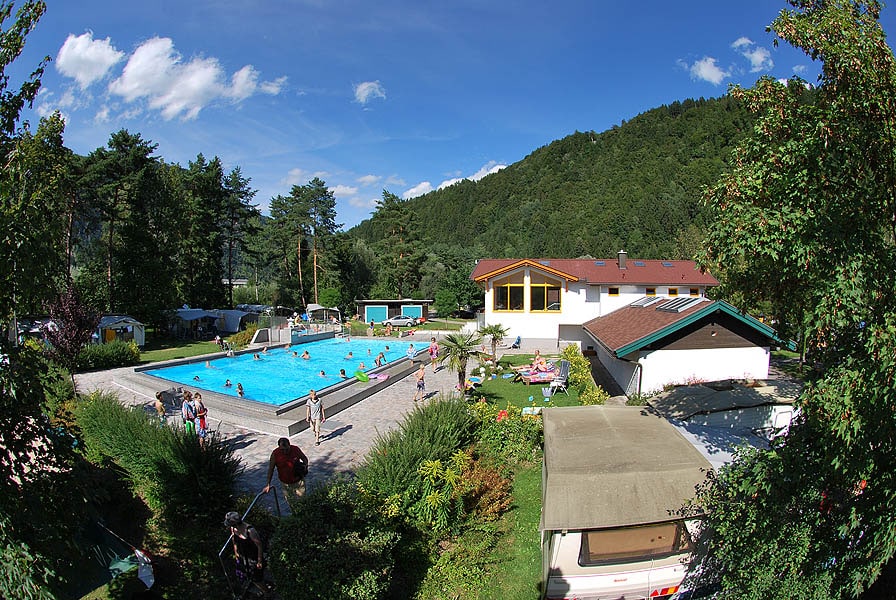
549,300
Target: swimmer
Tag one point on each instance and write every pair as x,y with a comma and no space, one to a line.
362,367
380,359
295,354
256,356
196,378
322,374
228,384
368,352
264,350
230,353
208,365
342,374
305,355
349,356
387,348
239,389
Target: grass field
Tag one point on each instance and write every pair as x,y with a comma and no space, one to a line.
517,562
157,350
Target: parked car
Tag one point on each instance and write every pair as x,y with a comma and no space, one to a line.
401,321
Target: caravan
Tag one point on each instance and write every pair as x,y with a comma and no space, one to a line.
612,481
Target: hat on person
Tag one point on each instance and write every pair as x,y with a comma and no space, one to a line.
232,519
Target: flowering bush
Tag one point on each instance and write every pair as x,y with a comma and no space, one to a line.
506,433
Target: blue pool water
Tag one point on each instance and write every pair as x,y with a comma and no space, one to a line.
278,377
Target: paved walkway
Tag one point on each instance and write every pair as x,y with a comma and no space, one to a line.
346,437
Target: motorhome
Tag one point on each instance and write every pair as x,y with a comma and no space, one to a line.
612,481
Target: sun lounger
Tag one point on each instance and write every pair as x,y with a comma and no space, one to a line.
538,377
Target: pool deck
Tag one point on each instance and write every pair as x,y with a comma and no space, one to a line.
346,438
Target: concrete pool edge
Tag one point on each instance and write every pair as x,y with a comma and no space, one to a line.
286,420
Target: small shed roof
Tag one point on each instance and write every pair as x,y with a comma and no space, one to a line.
611,466
112,320
641,323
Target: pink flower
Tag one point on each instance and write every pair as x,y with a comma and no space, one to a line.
502,414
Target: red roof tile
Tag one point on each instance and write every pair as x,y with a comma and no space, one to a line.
632,323
606,271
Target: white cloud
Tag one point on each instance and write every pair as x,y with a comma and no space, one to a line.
342,191
102,115
299,176
364,92
741,42
799,69
706,69
424,187
85,59
395,180
760,58
487,169
243,83
357,202
273,87
368,180
156,72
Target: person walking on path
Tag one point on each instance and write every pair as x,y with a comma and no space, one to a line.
433,353
188,413
314,414
248,549
292,479
421,385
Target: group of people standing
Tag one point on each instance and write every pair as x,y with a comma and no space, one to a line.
192,411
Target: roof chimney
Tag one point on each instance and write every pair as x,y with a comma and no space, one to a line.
622,257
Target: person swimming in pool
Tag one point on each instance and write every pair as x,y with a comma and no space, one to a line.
322,374
342,374
380,359
228,384
362,367
349,356
305,355
239,389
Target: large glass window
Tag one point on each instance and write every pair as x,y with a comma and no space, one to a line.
544,297
631,544
509,297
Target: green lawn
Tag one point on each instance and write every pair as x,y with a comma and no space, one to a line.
516,573
502,391
157,350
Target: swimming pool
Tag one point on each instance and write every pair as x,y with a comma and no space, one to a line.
278,376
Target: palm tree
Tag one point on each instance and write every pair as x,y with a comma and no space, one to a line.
459,348
496,334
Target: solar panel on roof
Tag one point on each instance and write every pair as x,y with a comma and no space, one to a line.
679,304
646,301
639,263
600,263
666,263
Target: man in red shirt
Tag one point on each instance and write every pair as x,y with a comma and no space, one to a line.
285,457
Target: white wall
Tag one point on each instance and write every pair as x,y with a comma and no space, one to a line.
624,373
664,367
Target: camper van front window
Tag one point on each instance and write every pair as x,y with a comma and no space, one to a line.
630,544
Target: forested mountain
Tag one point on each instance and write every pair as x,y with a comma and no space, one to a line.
636,187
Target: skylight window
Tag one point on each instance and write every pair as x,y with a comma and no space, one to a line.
666,263
639,263
600,263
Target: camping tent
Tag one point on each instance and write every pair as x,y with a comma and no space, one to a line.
231,321
121,327
193,321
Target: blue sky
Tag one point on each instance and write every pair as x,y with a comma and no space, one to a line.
397,95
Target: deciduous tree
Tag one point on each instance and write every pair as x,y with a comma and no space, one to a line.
807,215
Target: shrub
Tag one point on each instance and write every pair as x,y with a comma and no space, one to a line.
432,432
242,338
329,548
579,368
505,433
108,356
180,481
489,493
592,395
438,501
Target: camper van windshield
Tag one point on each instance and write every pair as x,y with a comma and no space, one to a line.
629,544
